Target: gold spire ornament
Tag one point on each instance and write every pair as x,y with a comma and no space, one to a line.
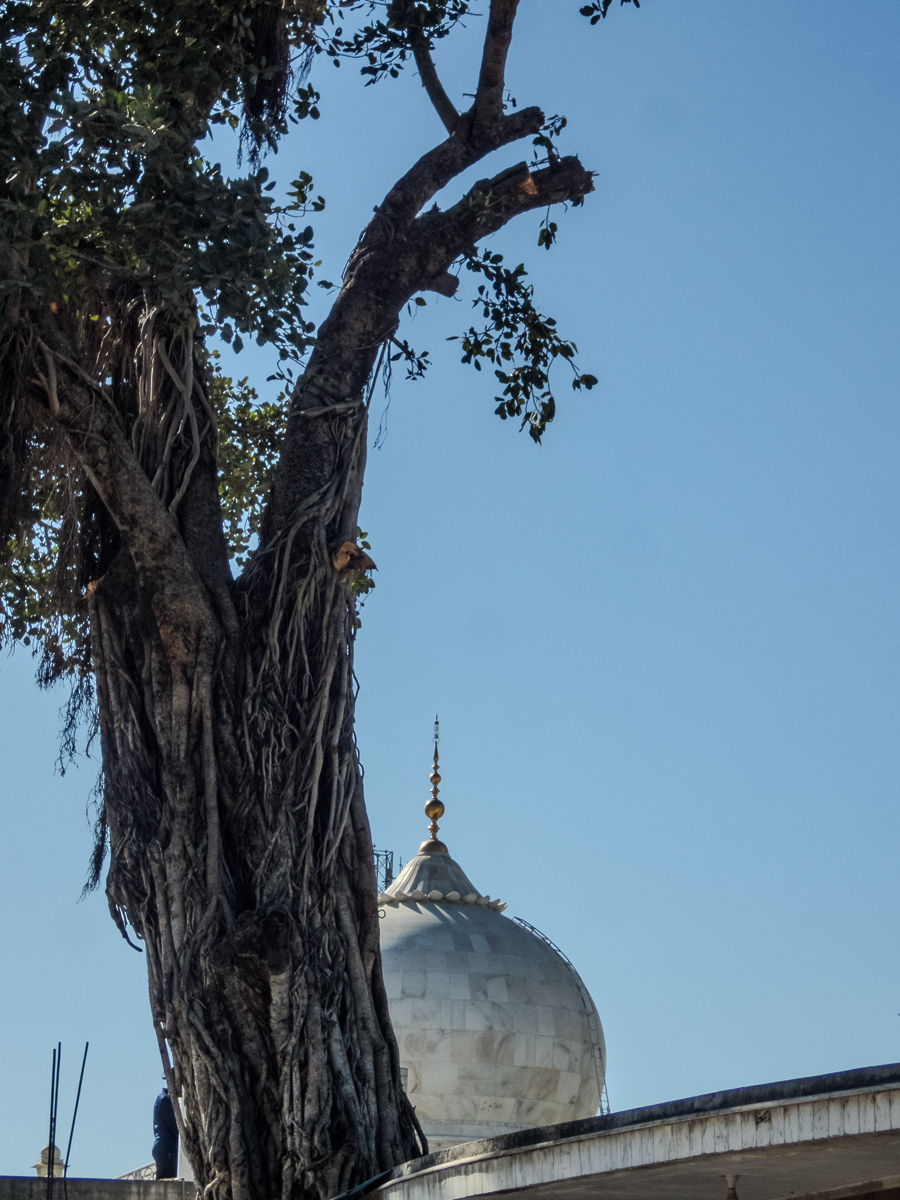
434,809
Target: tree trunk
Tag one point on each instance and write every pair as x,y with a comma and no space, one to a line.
240,850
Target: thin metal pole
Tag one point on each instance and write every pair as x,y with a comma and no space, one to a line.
50,1134
72,1130
55,1113
54,1102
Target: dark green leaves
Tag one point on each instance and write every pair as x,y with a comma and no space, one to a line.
599,8
519,342
384,45
417,363
250,436
547,235
101,111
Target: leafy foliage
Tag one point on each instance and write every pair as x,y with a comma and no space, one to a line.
515,333
360,582
599,8
101,110
417,361
250,435
41,595
384,45
108,207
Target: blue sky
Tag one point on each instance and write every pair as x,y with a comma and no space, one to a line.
664,645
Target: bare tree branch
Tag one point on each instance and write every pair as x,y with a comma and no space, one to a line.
444,106
488,107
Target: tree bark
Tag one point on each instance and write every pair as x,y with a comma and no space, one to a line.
240,852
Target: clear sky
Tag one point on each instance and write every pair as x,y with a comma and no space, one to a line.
663,646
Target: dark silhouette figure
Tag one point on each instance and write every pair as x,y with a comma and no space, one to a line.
165,1137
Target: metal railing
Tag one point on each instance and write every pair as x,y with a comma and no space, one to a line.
590,1011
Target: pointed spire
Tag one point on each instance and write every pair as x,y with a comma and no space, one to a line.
434,809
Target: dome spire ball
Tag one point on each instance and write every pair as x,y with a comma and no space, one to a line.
434,809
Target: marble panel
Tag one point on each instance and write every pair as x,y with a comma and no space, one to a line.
461,1045
413,1077
458,1014
412,1045
572,1024
525,1055
568,1087
413,985
479,1015
566,1057
496,1108
458,960
456,1107
496,988
442,940
504,1050
437,984
438,1045
543,1051
460,986
526,1017
524,990
473,1077
393,984
401,1014
478,987
542,1086
504,1016
439,1078
425,1014
416,960
546,1021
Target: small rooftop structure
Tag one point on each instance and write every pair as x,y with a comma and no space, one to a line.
42,1166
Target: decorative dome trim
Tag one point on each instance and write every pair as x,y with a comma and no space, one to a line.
438,897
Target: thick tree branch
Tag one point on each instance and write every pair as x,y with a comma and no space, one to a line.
379,281
402,252
492,203
488,107
443,105
439,166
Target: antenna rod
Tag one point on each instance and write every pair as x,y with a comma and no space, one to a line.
54,1101
50,1134
72,1130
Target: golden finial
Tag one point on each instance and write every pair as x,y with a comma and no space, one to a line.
434,809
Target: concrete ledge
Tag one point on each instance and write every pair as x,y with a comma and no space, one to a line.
828,1133
26,1187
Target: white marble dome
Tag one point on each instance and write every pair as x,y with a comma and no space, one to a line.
496,1030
